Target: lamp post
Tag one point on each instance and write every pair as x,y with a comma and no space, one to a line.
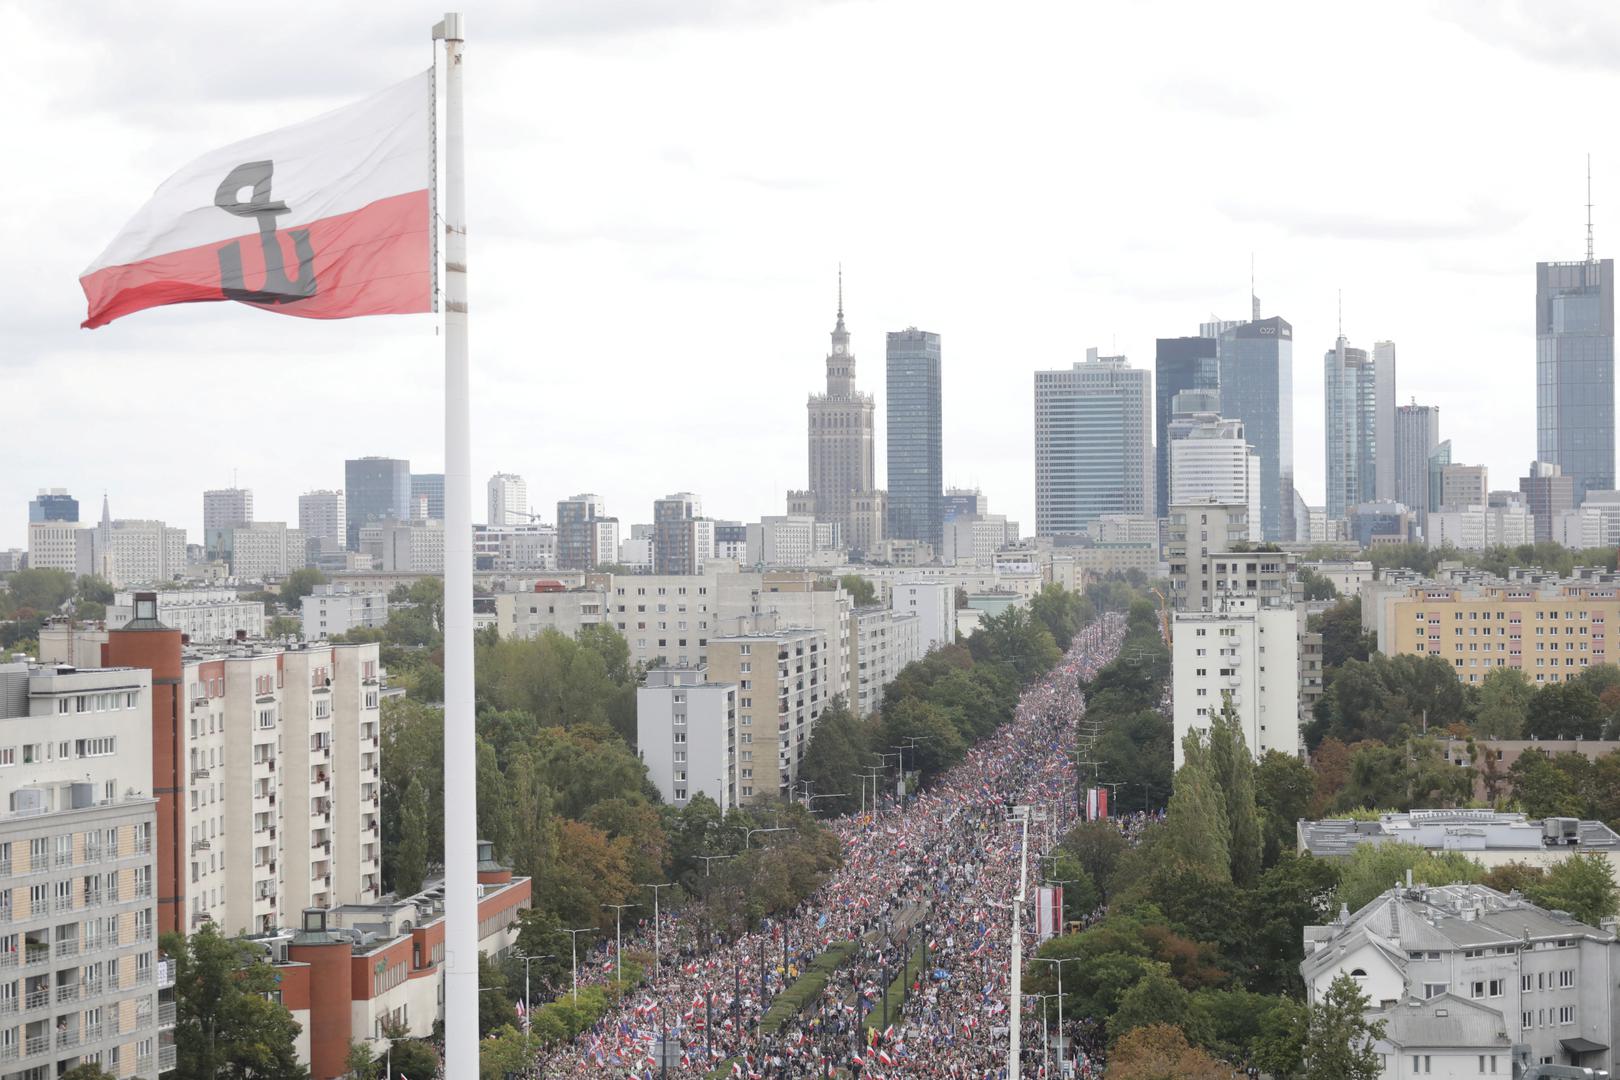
1016,959
658,953
808,799
1058,963
573,952
750,833
618,940
708,859
527,1000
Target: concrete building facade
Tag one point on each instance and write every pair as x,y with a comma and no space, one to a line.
1093,444
1244,655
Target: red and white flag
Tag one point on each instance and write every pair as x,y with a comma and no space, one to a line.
326,219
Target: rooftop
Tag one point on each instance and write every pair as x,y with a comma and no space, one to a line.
1456,830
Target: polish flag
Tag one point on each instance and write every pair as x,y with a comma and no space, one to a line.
326,219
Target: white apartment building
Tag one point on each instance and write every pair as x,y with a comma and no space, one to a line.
332,610
686,732
53,545
934,604
415,547
203,615
882,642
1195,531
508,500
1212,462
322,518
79,974
226,507
781,689
131,552
636,553
1477,527
1548,980
1244,653
261,551
1126,529
282,756
530,614
973,541
785,540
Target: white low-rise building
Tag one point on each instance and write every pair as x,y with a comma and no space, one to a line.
1489,837
1244,654
332,610
1549,980
203,615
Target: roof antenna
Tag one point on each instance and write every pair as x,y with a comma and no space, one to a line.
1341,314
1254,301
1588,207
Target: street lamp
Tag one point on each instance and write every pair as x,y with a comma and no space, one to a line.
527,1000
1058,963
658,952
708,859
750,833
573,949
618,940
808,799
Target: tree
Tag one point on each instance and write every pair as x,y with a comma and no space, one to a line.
938,745
590,870
1339,1039
861,591
299,584
1161,1052
839,744
361,1063
1582,885
411,852
1155,999
86,1070
226,1024
1503,703
1279,1049
1283,786
1017,638
1197,837
1135,750
495,998
412,1058
1096,847
282,626
1564,711
1342,638
1232,769
1540,788
1373,868
1317,586
1060,611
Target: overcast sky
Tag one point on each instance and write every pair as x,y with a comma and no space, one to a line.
660,192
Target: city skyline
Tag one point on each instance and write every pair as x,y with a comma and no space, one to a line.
1474,241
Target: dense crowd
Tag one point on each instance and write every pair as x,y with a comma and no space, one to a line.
928,886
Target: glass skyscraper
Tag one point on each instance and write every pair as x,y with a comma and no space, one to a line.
375,489
1349,397
916,465
1257,387
1575,371
1184,363
1093,452
429,486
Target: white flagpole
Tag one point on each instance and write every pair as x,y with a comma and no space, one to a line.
460,763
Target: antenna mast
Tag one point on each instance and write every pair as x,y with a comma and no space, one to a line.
1589,208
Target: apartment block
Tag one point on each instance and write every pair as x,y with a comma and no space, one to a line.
201,614
1551,632
781,690
934,605
1196,531
1543,980
415,546
79,973
1243,654
882,642
332,610
530,614
686,733
53,545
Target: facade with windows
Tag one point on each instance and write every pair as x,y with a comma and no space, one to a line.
916,470
686,733
1550,632
1093,444
1547,978
1349,395
375,489
1575,371
782,687
79,973
1243,655
1257,387
1179,364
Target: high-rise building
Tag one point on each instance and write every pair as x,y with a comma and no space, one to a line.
1257,387
1464,485
1548,493
428,486
131,551
54,504
1385,458
1211,461
841,443
375,489
683,539
79,970
915,436
1417,433
1349,396
1093,444
225,507
577,534
1184,363
322,519
508,500
53,545
1250,638
1575,371
964,502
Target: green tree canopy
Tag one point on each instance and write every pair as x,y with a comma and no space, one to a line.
1582,885
1372,869
1339,1039
226,1023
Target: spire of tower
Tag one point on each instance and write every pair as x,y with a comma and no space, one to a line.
1588,207
840,294
1341,314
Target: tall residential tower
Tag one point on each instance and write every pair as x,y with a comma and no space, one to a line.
915,437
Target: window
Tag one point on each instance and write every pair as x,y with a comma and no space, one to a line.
1566,978
1420,1063
1566,1014
1496,987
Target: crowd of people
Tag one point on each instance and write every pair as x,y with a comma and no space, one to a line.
925,891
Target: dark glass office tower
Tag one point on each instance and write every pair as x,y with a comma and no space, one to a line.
916,467
1575,371
53,505
375,489
431,487
1257,387
1184,363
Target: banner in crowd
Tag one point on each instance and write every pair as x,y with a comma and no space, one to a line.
1049,911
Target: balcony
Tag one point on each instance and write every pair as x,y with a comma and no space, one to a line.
67,947
166,1062
36,999
66,1039
92,898
37,1044
67,992
36,954
62,903
199,773
143,1065
91,988
92,1032
166,1016
199,845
